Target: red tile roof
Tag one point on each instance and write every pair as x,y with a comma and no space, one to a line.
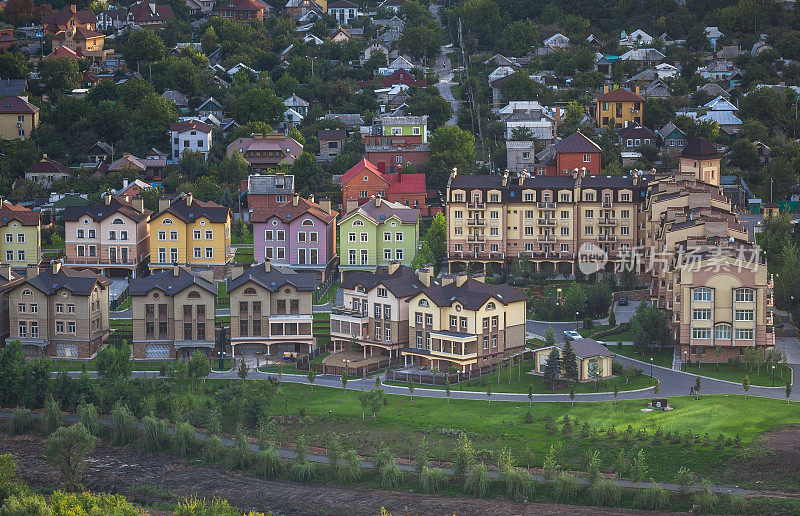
47,165
358,168
142,13
61,51
620,95
188,125
243,5
10,211
62,16
16,105
263,214
405,183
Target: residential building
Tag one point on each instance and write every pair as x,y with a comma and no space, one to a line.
45,171
576,152
18,118
262,191
69,17
79,39
343,11
699,157
7,38
493,220
299,234
271,311
632,139
100,152
298,104
242,10
331,143
636,38
644,56
180,100
8,280
459,321
351,121
398,140
674,139
556,41
13,87
719,110
59,312
21,231
365,181
376,233
264,152
209,107
111,237
189,232
622,106
590,356
173,314
521,155
190,135
305,9
141,14
152,166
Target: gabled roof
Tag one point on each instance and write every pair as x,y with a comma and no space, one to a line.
273,280
385,211
12,87
60,52
359,167
189,213
296,101
636,131
270,184
189,125
17,105
699,148
101,211
61,17
166,281
80,283
472,294
288,212
244,5
25,216
342,4
620,95
209,100
127,163
720,104
144,12
331,134
176,97
669,129
405,183
403,282
576,142
47,166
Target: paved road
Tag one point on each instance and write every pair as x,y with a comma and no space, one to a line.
622,314
444,69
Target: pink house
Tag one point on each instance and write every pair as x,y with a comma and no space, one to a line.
299,234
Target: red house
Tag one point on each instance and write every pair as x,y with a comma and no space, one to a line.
243,10
575,151
364,181
399,76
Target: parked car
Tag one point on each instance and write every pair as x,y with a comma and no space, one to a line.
623,301
572,335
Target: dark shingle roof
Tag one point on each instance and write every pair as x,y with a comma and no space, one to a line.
211,210
576,142
167,282
473,294
80,283
404,282
10,211
699,148
585,348
274,279
102,211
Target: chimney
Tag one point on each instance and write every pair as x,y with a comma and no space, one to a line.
56,266
351,205
606,88
505,178
378,201
126,155
635,179
461,278
575,174
33,271
176,270
445,280
311,198
5,271
424,275
124,184
295,199
107,198
325,204
583,171
236,271
258,136
522,176
637,89
393,266
189,198
453,173
73,8
267,265
163,203
208,275
138,204
479,276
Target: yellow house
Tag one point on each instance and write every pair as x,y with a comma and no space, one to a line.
588,353
18,118
20,235
189,232
623,106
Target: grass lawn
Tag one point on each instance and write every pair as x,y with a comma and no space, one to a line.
402,423
322,317
320,358
622,336
223,299
243,256
726,372
125,304
521,386
328,296
661,356
245,239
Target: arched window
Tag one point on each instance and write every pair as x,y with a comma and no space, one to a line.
308,222
250,291
722,331
701,294
423,302
490,306
194,294
117,221
27,292
167,222
358,223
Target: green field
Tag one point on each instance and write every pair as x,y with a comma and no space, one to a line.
726,372
223,299
244,256
661,356
623,335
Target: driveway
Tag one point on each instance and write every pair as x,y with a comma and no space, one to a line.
444,69
622,313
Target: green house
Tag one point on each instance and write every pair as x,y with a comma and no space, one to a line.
377,233
405,126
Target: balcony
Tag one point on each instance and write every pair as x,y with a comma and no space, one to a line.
546,238
606,238
546,222
348,312
476,238
607,222
476,222
546,205
94,260
608,204
476,205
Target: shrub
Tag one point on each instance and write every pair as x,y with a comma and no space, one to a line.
240,456
566,487
155,437
477,482
585,430
612,433
738,504
217,507
184,440
52,418
550,424
519,484
737,441
465,455
641,434
688,438
566,428
88,416
268,463
124,427
588,323
627,435
653,498
705,499
302,470
22,505
214,451
684,479
658,436
351,469
593,468
431,480
605,492
528,417
616,368
383,457
720,443
21,421
391,475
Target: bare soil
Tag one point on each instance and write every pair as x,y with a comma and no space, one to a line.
152,479
777,452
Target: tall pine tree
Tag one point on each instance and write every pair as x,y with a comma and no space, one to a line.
552,369
570,363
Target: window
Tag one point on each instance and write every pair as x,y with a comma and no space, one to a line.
387,236
294,306
744,315
398,254
486,342
21,255
398,237
10,254
589,230
209,234
387,331
701,294
60,326
722,332
495,215
496,231
351,237
173,235
196,234
494,341
363,194
419,340
528,197
745,295
21,308
198,253
428,319
744,334
123,235
458,214
701,333
281,235
495,320
564,214
587,158
701,314
112,235
92,233
301,236
35,330
564,248
381,292
589,214
416,131
565,231
162,235
173,254
494,197
162,255
351,257
34,308
387,254
364,237
625,197
364,257
59,308
209,253
21,238
625,230
626,214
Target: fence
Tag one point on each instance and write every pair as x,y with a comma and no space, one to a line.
323,287
115,303
428,378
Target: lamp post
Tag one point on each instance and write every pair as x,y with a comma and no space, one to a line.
576,320
773,376
651,366
685,357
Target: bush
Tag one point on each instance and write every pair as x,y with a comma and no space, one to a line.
88,416
704,499
124,427
477,482
214,451
519,484
350,471
566,488
23,505
155,437
240,456
588,323
528,418
738,504
605,492
616,368
52,418
431,480
658,436
184,440
217,507
268,463
550,424
21,421
684,479
653,498
391,475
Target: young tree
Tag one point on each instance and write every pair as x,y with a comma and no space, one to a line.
552,369
489,392
344,381
571,395
114,362
570,363
788,392
549,337
649,327
364,398
596,372
410,385
243,370
530,394
67,449
697,388
198,367
745,385
311,376
638,468
616,392
447,388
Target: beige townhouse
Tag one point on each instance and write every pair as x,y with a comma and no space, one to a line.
59,312
173,314
271,311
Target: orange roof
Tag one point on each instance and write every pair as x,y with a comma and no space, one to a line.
359,167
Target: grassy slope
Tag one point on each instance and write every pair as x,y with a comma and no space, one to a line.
661,356
726,372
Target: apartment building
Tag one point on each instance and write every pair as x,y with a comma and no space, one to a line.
299,233
173,314
111,237
377,233
264,152
186,231
374,312
493,220
59,312
271,311
21,231
459,321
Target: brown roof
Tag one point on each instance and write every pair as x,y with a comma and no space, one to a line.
211,210
190,124
620,95
102,211
61,17
16,105
577,142
288,212
10,211
48,166
699,148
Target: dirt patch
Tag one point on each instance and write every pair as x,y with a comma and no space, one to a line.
780,449
154,478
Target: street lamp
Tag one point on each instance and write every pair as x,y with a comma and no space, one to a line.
651,366
685,357
576,320
773,376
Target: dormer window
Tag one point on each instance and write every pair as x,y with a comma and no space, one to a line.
117,221
167,222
